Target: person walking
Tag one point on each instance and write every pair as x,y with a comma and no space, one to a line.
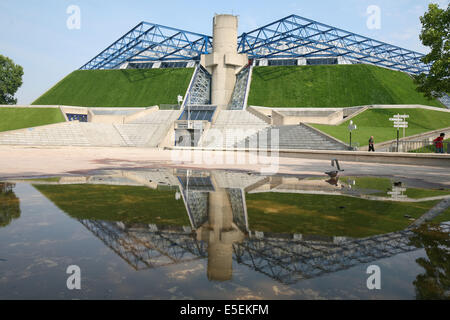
439,143
371,146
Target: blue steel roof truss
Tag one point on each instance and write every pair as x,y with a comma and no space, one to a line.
293,32
152,42
290,37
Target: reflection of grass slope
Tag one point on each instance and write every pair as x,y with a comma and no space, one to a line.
375,122
333,86
118,88
329,215
383,185
443,217
50,179
117,203
416,193
18,118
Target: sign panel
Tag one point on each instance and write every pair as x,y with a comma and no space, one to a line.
400,121
399,117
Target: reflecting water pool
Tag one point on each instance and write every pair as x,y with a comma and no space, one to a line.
183,234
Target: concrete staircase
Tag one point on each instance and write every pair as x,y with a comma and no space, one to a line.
237,118
291,137
230,127
62,134
146,131
158,117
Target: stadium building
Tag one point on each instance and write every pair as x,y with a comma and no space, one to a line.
286,85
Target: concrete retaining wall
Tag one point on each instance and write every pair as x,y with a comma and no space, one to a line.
415,159
329,116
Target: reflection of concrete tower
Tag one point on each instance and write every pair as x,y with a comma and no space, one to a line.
220,233
224,62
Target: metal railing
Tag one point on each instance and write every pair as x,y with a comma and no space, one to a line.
424,146
354,147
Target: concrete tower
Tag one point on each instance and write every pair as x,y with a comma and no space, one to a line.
224,62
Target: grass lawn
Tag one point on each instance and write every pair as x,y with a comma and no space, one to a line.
119,88
18,118
375,122
332,86
329,215
127,204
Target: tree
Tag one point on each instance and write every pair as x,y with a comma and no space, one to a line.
436,35
10,80
434,282
9,204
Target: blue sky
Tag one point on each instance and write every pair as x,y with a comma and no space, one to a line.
34,33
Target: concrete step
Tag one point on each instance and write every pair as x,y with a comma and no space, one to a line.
158,117
66,133
237,117
291,137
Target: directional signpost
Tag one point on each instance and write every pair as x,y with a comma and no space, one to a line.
400,122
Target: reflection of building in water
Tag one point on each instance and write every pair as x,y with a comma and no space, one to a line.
219,229
283,258
147,246
9,204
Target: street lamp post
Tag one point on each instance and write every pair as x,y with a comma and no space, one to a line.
351,127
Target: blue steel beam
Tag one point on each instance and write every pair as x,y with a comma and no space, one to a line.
295,36
152,42
289,37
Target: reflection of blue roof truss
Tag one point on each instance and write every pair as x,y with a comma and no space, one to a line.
290,37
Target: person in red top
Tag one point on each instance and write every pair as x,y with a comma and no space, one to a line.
439,143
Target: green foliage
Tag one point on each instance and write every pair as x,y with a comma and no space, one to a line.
10,80
332,86
436,35
434,282
18,118
375,122
9,207
118,88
